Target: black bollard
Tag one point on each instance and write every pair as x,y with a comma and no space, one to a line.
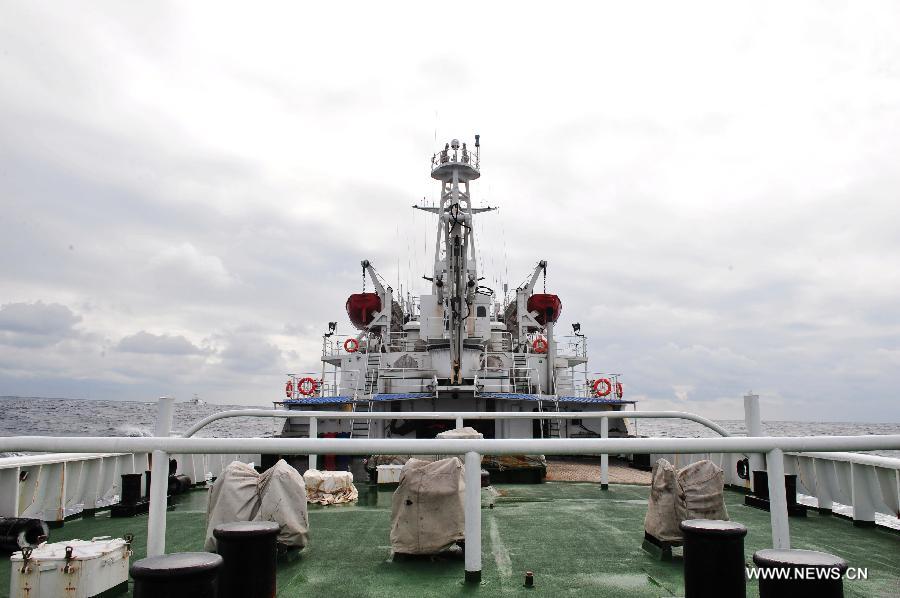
248,548
799,574
131,488
714,558
177,575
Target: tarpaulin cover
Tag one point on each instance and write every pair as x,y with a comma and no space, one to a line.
282,495
696,491
701,496
661,520
329,487
427,508
241,494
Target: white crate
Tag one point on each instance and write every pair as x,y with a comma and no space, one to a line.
389,474
94,566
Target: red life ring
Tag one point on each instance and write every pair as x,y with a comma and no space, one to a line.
289,389
618,390
307,386
606,384
540,345
351,345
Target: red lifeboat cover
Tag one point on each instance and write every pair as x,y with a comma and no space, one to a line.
362,307
541,303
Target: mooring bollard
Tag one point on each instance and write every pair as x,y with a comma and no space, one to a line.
799,574
248,549
714,558
177,575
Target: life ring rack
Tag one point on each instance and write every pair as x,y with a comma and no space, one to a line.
307,386
540,345
289,389
607,387
351,345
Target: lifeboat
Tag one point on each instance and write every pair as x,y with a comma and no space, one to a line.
548,307
362,307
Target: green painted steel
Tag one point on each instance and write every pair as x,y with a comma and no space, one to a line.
578,540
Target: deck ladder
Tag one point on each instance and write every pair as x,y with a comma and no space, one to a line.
359,428
520,373
373,362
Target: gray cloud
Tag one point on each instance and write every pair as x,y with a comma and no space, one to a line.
145,342
716,220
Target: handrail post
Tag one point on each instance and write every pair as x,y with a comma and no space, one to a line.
604,458
313,433
159,483
472,510
459,423
753,423
781,536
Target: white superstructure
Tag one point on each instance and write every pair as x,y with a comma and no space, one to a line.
460,347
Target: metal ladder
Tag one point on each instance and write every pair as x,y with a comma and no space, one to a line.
359,428
373,362
552,424
520,373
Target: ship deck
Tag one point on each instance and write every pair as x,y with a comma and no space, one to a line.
577,538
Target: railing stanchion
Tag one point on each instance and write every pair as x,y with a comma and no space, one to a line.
459,422
781,536
472,509
159,483
313,433
604,458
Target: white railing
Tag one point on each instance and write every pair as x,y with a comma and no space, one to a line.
59,485
773,448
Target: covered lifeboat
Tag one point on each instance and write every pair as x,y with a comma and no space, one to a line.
362,307
548,307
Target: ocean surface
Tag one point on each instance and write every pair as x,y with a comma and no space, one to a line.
71,417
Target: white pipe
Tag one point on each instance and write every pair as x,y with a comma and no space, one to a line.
159,483
313,433
604,458
873,460
433,446
472,510
459,423
753,422
781,535
387,415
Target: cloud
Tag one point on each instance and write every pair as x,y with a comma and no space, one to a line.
716,221
145,342
36,324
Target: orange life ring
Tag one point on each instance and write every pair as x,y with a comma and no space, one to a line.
289,389
540,345
618,390
351,345
607,387
307,386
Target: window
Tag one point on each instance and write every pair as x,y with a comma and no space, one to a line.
481,311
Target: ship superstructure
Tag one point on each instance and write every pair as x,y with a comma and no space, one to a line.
460,347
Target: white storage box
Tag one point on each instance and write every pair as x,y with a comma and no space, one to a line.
389,474
92,567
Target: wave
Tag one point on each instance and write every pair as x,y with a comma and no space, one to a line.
133,431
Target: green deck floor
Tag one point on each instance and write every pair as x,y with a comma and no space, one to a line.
577,538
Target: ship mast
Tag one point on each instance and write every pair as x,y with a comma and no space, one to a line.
455,278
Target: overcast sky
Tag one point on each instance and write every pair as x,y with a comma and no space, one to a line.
187,189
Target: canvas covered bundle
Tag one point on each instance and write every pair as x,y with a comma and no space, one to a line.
696,491
427,513
242,494
329,487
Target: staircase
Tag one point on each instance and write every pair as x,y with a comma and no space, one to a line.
520,373
359,428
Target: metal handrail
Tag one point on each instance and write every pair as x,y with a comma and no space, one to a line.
458,415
